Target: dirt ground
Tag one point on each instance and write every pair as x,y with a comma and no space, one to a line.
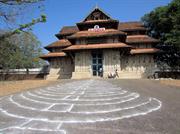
171,82
10,87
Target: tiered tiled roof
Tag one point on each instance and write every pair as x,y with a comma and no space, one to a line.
131,26
102,21
59,44
86,34
123,26
95,10
96,46
53,54
140,39
98,21
107,27
68,30
144,51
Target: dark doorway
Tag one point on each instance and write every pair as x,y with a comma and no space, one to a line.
97,63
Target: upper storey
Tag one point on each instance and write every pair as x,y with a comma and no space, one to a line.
131,28
97,14
99,18
98,25
99,31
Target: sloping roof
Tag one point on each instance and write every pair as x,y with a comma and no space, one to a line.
140,39
90,21
123,26
59,43
144,50
97,21
86,34
53,54
96,9
96,46
68,30
131,26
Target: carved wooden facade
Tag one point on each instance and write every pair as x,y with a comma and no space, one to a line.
99,46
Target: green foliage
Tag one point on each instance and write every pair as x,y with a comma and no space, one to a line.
164,23
20,51
43,17
18,47
16,31
10,10
23,27
19,2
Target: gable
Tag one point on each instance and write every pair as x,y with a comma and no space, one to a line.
97,14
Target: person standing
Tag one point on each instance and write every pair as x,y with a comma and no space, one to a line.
100,72
116,73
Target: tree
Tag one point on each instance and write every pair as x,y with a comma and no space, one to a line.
164,23
20,51
22,27
30,49
19,48
10,10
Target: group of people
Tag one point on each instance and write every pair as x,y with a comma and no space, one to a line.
113,74
110,74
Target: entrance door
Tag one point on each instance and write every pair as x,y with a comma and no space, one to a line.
97,64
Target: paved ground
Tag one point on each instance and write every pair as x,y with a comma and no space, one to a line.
93,107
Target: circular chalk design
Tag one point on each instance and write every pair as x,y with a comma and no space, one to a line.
85,101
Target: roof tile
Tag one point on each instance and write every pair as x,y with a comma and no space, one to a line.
54,54
140,39
96,46
131,26
59,43
68,30
144,50
81,34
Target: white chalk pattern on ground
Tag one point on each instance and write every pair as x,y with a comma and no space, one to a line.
72,99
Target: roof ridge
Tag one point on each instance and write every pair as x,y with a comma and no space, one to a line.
97,8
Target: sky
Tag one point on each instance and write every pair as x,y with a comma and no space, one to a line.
68,12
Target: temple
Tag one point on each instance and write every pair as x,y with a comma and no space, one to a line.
99,46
